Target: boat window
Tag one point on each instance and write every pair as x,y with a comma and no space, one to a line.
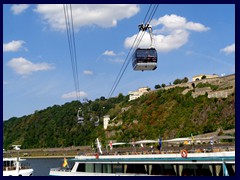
231,169
107,168
162,169
168,170
8,163
190,170
5,163
136,168
89,167
140,169
117,168
98,168
207,168
81,167
156,169
130,168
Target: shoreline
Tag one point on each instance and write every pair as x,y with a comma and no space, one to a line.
47,157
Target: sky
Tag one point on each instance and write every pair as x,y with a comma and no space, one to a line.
190,39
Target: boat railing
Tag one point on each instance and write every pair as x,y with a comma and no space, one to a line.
164,151
61,169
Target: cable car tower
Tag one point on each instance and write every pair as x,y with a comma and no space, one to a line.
145,59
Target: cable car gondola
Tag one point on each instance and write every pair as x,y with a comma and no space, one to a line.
80,119
97,122
145,58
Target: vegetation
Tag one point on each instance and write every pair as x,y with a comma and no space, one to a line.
158,86
202,85
165,113
179,81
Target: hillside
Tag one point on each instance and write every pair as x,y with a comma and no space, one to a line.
167,112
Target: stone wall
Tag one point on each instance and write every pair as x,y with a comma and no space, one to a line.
222,82
221,94
201,91
226,83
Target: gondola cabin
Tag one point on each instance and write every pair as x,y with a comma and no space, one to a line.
80,118
144,59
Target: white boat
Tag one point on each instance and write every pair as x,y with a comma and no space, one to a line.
177,164
15,166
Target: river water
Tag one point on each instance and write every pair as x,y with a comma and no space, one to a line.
42,166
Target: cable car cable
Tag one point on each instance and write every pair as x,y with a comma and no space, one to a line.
72,47
148,23
120,74
75,54
121,70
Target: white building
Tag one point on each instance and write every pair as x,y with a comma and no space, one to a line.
136,94
199,77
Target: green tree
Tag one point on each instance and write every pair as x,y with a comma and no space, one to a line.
185,80
157,86
177,81
204,77
102,98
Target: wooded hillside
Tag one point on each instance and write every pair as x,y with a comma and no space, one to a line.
165,113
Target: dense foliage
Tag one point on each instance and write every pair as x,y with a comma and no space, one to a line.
165,113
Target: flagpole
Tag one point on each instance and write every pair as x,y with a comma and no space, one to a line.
107,149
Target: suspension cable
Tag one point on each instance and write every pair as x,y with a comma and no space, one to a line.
127,60
72,46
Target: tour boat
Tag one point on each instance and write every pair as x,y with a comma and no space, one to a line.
181,163
15,166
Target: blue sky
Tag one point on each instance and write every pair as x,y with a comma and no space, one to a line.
37,71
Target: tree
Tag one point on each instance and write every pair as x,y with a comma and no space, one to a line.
163,85
177,81
157,86
102,98
95,107
185,80
204,77
120,97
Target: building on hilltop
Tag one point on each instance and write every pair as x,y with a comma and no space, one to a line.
202,76
136,94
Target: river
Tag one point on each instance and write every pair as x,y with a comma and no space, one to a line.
42,166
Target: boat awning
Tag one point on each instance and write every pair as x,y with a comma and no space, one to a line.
119,143
146,141
178,140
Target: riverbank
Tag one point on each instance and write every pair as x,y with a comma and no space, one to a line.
71,152
46,157
48,152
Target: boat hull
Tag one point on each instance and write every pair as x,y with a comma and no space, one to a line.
24,172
